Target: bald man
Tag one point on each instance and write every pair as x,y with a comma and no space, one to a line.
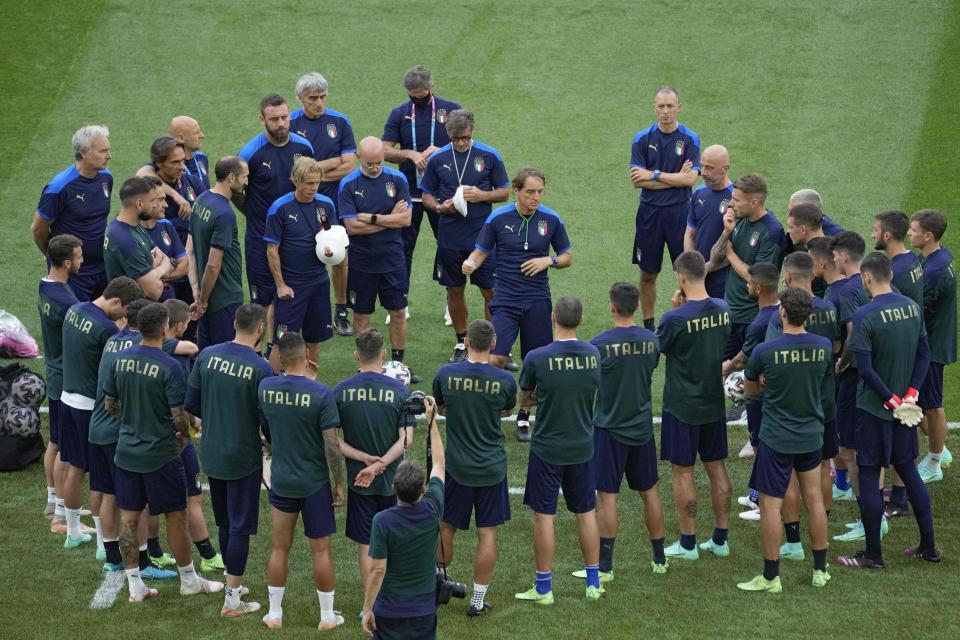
374,206
705,221
187,130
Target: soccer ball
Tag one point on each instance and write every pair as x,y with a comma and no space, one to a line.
22,421
4,405
28,390
733,386
397,370
336,238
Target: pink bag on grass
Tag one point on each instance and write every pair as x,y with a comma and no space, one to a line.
15,340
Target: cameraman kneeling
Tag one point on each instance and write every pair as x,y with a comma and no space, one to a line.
401,590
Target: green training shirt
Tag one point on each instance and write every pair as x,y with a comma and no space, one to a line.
753,242
53,300
86,329
213,224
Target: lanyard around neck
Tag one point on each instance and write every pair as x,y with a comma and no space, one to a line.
466,162
433,120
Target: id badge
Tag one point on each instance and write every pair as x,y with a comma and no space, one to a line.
419,177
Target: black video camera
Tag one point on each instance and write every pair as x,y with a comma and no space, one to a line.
447,588
416,404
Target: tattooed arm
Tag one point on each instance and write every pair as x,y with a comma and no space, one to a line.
331,447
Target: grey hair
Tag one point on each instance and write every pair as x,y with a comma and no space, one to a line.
408,481
309,82
417,77
806,196
83,138
459,121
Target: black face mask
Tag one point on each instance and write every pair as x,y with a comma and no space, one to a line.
421,102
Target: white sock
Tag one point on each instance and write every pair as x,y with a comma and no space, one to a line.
135,583
933,461
326,603
58,510
188,575
51,495
231,598
479,593
276,602
73,522
99,528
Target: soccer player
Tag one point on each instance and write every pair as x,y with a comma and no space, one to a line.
796,370
418,128
164,236
927,227
303,287
561,378
222,390
55,296
374,206
480,171
77,201
623,442
300,419
168,162
331,135
707,206
522,234
804,223
893,356
664,164
186,131
692,336
216,256
376,434
127,248
809,197
144,391
474,395
269,157
86,328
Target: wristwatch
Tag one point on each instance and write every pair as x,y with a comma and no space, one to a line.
656,175
373,218
554,262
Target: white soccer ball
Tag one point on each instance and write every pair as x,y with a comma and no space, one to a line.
4,406
22,421
733,386
337,240
459,202
397,370
28,390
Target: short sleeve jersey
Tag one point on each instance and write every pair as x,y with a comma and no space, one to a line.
417,128
53,300
940,305
655,150
908,276
198,167
297,411
889,328
706,217
566,374
692,337
227,377
756,331
628,356
480,166
370,407
474,394
797,372
86,329
104,428
753,242
331,136
213,225
406,537
849,297
78,205
165,236
293,226
517,238
380,252
189,187
148,383
126,251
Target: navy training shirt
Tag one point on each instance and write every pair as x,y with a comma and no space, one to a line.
380,252
706,216
294,225
655,150
331,136
198,167
188,186
80,206
406,118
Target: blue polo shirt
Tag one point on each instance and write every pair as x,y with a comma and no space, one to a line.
655,150
331,136
165,236
428,122
294,225
516,239
480,166
706,216
380,252
189,187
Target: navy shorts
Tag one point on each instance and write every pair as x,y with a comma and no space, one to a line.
612,459
754,417
55,408
491,504
716,283
931,393
263,290
735,340
531,321
657,226
419,628
191,470
74,436
881,443
316,510
360,512
680,443
447,271
831,440
164,490
545,480
236,503
307,313
89,283
365,288
846,413
773,469
103,470
217,327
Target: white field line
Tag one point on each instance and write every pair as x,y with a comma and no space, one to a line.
109,589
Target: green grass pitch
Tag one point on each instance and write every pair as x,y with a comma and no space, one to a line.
856,99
